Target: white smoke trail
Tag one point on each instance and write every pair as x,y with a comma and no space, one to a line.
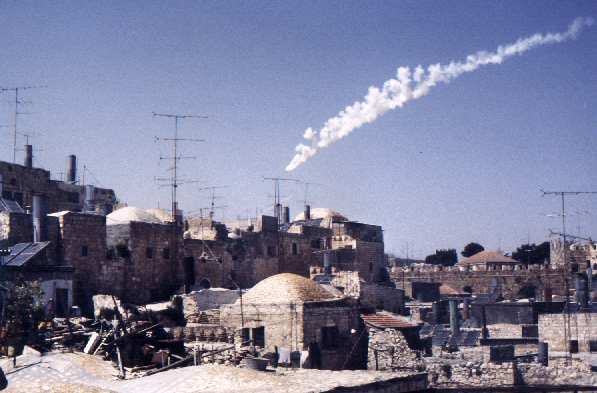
412,84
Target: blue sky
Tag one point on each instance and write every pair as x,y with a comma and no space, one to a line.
464,163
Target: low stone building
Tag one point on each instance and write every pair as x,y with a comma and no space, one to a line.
300,318
581,331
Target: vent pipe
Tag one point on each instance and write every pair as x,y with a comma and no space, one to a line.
454,317
327,263
89,198
40,210
307,212
286,215
466,308
71,169
29,156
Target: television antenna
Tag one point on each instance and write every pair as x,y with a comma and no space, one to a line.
17,102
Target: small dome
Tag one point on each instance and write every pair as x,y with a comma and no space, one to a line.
128,214
322,212
287,288
161,214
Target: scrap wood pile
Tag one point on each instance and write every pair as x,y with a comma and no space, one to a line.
138,344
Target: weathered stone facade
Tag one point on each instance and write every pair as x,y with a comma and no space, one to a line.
507,283
581,328
388,350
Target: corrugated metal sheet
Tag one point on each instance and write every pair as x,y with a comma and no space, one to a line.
382,320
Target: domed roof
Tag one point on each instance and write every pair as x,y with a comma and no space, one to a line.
130,213
161,214
287,288
322,212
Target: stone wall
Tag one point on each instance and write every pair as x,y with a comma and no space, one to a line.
470,374
507,283
388,350
582,327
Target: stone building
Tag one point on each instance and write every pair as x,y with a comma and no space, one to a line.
20,182
580,327
488,260
580,255
297,316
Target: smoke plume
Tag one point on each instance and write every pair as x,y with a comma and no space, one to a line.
411,84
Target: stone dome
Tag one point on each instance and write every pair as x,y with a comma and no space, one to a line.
322,212
286,288
130,213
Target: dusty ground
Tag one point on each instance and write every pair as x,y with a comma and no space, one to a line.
77,372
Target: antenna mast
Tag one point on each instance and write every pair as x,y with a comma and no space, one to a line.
277,205
175,156
17,102
562,195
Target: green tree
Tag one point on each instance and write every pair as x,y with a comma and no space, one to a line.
532,254
444,257
472,249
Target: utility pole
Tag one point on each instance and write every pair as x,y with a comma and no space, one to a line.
277,205
17,102
567,272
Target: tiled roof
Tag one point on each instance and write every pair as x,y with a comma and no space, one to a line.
447,290
286,288
485,257
385,320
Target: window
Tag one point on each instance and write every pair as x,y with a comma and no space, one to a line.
84,251
149,252
245,336
258,336
72,197
166,253
573,346
271,251
294,249
329,337
593,346
316,243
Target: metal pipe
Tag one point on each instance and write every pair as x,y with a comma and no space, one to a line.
454,317
71,169
29,156
307,212
40,230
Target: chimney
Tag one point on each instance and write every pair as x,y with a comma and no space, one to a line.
454,317
466,308
286,215
278,212
71,169
436,311
307,212
484,331
89,198
327,263
40,230
29,156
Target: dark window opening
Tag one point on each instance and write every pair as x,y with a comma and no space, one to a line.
574,267
593,346
110,253
467,289
122,250
149,252
271,251
7,195
166,253
573,346
258,336
294,249
316,243
370,267
84,251
329,337
245,336
204,283
72,197
13,182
